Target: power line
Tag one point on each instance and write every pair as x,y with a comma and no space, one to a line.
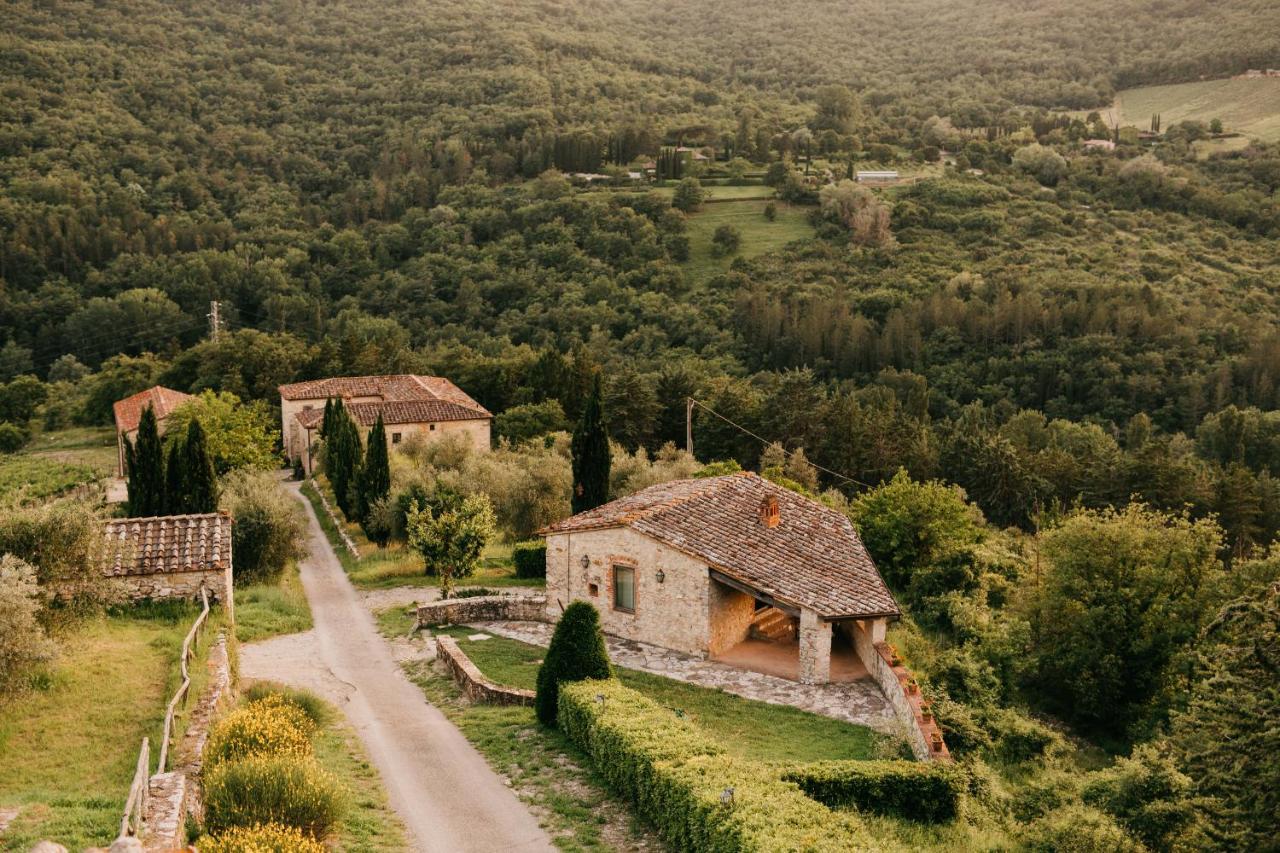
694,402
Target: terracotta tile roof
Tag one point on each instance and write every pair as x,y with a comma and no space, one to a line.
395,388
167,544
812,558
413,412
129,410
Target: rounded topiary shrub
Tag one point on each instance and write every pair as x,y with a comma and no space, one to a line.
281,789
269,726
264,838
577,652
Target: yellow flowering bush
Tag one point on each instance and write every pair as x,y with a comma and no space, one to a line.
282,789
263,838
268,726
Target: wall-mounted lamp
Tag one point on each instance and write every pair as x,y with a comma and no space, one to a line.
660,576
586,561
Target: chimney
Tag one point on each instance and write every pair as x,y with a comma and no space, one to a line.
769,514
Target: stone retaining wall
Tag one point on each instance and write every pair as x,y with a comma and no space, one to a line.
484,608
474,683
894,681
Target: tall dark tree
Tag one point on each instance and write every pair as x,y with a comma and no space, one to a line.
175,481
343,458
146,469
375,476
328,410
199,479
591,454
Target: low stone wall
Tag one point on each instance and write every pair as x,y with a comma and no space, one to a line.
474,683
894,680
176,793
164,586
484,608
337,525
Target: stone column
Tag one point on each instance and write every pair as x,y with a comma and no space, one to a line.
815,648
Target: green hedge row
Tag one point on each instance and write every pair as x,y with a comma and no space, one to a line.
530,558
925,792
678,777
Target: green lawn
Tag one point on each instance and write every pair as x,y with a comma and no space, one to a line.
69,746
397,565
269,609
746,728
1251,107
56,462
759,235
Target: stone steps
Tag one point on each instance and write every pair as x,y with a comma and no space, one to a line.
773,625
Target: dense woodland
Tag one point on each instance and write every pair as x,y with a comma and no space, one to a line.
1085,342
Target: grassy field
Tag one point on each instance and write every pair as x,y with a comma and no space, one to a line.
57,462
1251,107
69,746
396,565
746,728
759,235
269,609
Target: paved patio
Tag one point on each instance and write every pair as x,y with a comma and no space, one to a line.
858,701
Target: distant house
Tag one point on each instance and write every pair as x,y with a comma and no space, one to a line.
877,177
409,404
128,412
694,154
734,568
1099,145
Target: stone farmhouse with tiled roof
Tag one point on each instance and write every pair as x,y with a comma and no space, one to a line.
170,556
430,406
734,568
128,413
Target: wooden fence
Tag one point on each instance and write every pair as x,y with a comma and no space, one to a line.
136,805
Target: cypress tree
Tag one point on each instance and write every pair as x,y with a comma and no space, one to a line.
146,469
328,410
175,483
591,454
200,482
343,458
577,652
375,477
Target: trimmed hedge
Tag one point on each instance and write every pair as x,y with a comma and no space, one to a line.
677,777
919,791
530,558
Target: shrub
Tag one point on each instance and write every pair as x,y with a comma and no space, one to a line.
771,211
688,195
577,652
309,704
1077,829
1146,794
678,778
530,559
725,241
12,437
263,838
281,789
268,525
23,644
269,726
920,791
380,521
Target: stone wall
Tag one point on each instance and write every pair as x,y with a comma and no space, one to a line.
673,613
485,608
474,683
164,586
815,648
731,613
894,681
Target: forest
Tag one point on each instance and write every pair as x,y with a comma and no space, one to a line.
1085,341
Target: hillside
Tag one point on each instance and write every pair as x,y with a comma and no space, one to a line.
1251,107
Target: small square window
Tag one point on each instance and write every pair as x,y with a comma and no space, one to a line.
395,438
594,589
433,427
624,589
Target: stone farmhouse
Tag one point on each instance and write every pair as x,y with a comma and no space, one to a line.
734,568
431,406
171,557
129,411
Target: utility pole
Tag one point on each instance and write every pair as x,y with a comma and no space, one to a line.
215,319
688,425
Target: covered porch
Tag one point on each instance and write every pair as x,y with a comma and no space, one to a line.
752,629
